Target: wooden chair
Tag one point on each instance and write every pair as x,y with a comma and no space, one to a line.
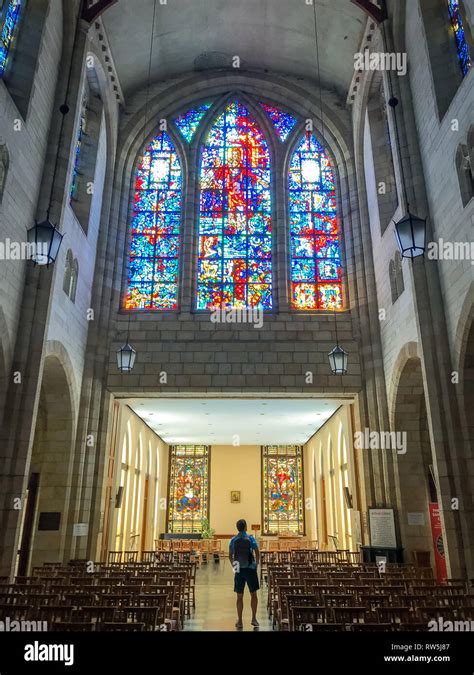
280,611
393,614
55,613
297,600
339,600
76,627
328,627
308,615
372,627
412,626
152,617
94,614
122,627
349,615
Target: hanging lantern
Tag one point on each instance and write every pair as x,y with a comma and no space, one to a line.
44,240
338,361
411,236
126,356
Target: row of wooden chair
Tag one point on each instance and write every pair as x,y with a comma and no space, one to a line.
303,593
155,596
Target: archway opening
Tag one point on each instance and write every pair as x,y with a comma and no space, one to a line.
46,520
414,460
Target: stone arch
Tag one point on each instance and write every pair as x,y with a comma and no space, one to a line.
55,349
413,456
464,350
407,352
52,461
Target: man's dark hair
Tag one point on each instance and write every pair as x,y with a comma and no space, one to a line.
241,525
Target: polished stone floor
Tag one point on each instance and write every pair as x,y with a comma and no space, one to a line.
215,601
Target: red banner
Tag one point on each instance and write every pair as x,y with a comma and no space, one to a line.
438,543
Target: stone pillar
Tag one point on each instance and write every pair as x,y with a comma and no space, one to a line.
18,428
441,401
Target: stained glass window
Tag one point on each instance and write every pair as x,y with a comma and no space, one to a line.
10,24
283,499
79,143
155,240
188,488
283,123
235,227
315,244
189,123
461,43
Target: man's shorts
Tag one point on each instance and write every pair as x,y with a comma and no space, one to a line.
246,576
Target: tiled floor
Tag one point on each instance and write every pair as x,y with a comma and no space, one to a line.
215,601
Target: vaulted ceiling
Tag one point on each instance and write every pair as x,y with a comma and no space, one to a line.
273,35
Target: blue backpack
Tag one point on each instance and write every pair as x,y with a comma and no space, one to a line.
243,553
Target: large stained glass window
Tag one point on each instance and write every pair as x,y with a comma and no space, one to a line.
10,18
283,123
189,123
315,244
461,43
188,501
282,489
235,226
155,241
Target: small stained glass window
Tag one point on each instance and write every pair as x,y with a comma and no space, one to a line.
189,123
460,36
283,123
11,19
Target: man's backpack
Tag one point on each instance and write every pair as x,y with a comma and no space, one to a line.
243,552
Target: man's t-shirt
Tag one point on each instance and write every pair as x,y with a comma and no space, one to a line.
253,547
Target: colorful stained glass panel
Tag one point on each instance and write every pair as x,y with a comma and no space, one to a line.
461,42
188,488
315,241
79,143
235,227
155,237
189,123
283,123
282,485
9,27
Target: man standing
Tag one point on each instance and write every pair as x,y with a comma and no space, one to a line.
245,563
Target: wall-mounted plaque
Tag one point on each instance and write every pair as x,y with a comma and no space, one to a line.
80,529
382,528
49,521
416,518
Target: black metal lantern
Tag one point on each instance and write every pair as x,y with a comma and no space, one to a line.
338,361
44,240
126,356
411,236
